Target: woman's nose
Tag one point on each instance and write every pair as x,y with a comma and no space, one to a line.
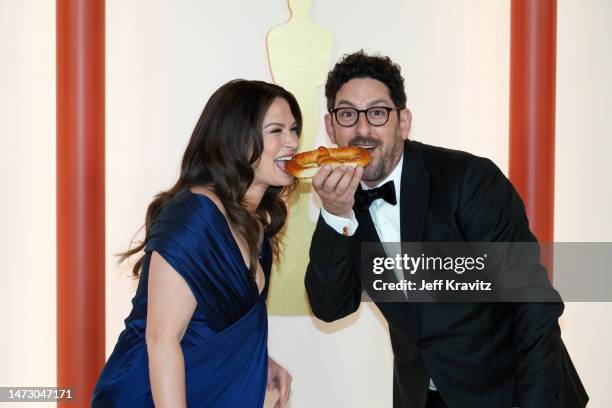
291,141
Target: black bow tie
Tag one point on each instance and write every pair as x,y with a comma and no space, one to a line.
363,198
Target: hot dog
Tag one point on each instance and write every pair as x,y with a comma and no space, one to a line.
306,164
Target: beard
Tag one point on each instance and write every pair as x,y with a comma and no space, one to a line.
374,171
384,162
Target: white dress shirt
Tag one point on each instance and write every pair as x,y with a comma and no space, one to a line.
386,219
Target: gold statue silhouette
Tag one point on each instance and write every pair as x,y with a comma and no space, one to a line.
299,52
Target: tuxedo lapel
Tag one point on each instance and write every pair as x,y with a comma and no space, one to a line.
414,199
414,196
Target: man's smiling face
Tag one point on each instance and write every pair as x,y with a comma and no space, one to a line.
385,143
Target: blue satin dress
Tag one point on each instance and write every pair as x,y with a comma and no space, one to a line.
225,344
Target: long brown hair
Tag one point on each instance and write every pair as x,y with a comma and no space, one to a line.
225,143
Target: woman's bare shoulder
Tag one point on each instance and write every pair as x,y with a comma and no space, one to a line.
210,193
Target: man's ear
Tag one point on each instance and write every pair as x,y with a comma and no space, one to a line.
329,127
405,122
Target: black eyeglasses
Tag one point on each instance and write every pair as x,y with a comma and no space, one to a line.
376,115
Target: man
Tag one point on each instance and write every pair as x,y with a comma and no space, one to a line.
457,355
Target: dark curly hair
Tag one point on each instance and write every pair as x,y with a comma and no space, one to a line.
361,65
225,143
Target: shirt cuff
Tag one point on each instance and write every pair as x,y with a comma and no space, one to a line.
344,226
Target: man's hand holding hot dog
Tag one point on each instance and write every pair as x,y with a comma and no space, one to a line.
336,188
337,173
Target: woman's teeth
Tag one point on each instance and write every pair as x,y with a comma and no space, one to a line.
281,161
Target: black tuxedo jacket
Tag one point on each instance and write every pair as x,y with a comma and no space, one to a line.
489,355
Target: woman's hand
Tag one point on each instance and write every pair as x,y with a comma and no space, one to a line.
280,379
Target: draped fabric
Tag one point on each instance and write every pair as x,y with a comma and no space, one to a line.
225,344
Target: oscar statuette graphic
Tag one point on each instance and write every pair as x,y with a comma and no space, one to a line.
299,53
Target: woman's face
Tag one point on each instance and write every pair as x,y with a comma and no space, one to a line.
280,140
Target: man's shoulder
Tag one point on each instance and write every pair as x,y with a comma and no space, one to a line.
437,159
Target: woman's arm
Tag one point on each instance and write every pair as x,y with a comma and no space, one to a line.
169,309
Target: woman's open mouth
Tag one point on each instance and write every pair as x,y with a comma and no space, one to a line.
281,161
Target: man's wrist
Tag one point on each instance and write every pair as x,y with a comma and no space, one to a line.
341,214
342,225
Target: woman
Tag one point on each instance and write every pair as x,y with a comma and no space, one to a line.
197,333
